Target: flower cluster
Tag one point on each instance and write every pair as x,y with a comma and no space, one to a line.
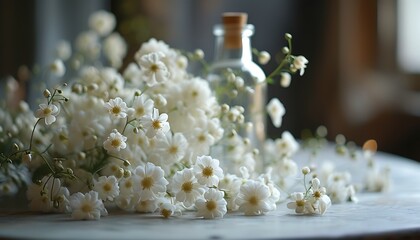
141,138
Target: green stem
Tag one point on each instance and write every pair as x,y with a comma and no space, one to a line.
32,134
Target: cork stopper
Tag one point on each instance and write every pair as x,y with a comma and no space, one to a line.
233,23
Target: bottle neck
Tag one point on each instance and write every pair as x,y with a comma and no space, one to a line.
233,44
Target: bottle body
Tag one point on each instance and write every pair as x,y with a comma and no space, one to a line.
239,83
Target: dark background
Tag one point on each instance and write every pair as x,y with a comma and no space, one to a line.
353,84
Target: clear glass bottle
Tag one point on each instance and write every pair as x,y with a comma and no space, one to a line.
238,81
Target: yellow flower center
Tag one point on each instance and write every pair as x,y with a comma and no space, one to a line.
154,68
116,110
253,200
317,194
187,186
173,149
201,138
47,111
140,111
300,203
128,184
107,187
156,124
165,213
211,205
86,208
207,171
115,143
147,182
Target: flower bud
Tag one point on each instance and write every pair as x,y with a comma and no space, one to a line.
285,50
306,170
198,54
264,57
288,36
46,93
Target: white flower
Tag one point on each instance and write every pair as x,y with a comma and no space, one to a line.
102,22
107,187
153,68
167,209
63,50
208,171
147,206
115,49
152,45
185,187
298,204
254,198
87,206
171,148
319,202
155,123
48,112
276,111
264,57
212,206
286,145
88,44
287,167
299,63
117,108
150,181
142,106
57,68
115,142
126,186
42,196
285,79
132,73
230,185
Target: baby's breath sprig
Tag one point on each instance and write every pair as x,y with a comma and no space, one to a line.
289,65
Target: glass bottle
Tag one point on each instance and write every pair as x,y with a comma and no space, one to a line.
238,81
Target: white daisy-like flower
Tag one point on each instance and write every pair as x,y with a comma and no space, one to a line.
107,188
286,145
88,44
299,63
48,112
63,50
287,167
115,49
167,209
208,171
150,181
39,195
102,22
147,206
299,202
155,123
152,45
230,185
126,186
57,68
213,205
276,111
87,206
254,198
153,68
185,187
142,106
117,108
172,148
319,202
115,142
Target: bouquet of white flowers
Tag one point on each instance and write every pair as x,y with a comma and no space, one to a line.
140,140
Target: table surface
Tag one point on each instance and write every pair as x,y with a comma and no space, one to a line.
394,212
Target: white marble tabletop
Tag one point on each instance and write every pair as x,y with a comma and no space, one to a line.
396,212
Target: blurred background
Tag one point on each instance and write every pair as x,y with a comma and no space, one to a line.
363,77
